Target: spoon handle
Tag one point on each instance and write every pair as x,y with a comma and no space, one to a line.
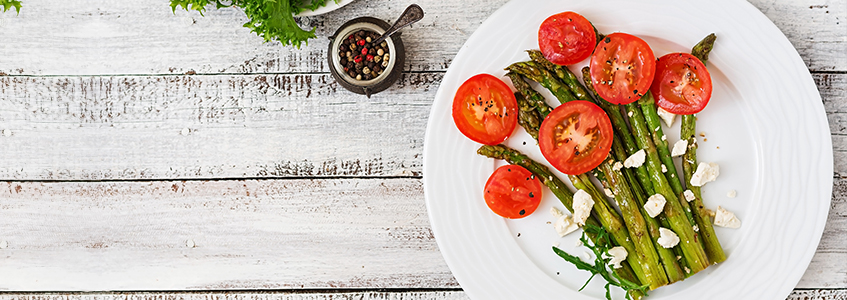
412,14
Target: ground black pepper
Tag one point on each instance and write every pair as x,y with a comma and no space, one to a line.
361,59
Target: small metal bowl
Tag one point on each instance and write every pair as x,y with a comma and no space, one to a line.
397,57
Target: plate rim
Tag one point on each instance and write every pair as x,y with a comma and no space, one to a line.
331,6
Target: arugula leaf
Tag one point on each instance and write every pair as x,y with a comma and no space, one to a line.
273,20
600,247
7,4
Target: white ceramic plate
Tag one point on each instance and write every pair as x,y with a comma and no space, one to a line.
765,126
330,6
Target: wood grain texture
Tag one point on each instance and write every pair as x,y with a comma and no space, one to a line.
224,126
235,126
818,294
813,26
118,37
276,234
252,234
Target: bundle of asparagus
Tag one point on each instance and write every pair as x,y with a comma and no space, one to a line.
651,262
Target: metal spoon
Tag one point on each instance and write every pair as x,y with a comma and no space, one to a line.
412,14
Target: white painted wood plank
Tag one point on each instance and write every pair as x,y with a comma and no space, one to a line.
266,234
838,294
433,295
145,37
828,268
131,127
279,234
87,128
55,37
816,28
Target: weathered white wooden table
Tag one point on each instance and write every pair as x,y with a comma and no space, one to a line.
152,154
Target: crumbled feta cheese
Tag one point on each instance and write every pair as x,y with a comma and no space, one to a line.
667,238
585,257
617,166
706,172
654,205
687,270
618,255
629,114
609,193
565,225
664,169
556,212
664,137
732,194
582,204
689,195
679,148
725,218
668,117
696,228
635,160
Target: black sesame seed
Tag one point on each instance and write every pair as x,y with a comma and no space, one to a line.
522,212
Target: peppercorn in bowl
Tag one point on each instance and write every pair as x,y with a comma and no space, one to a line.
359,64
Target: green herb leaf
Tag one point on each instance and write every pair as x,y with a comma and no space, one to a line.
7,4
599,247
273,20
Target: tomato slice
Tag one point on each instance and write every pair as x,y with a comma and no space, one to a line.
576,137
512,192
682,84
485,110
566,38
622,68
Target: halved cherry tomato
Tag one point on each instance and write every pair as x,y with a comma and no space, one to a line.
566,38
576,137
622,68
682,84
485,110
512,192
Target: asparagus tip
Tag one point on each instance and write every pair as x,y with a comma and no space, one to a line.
702,49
